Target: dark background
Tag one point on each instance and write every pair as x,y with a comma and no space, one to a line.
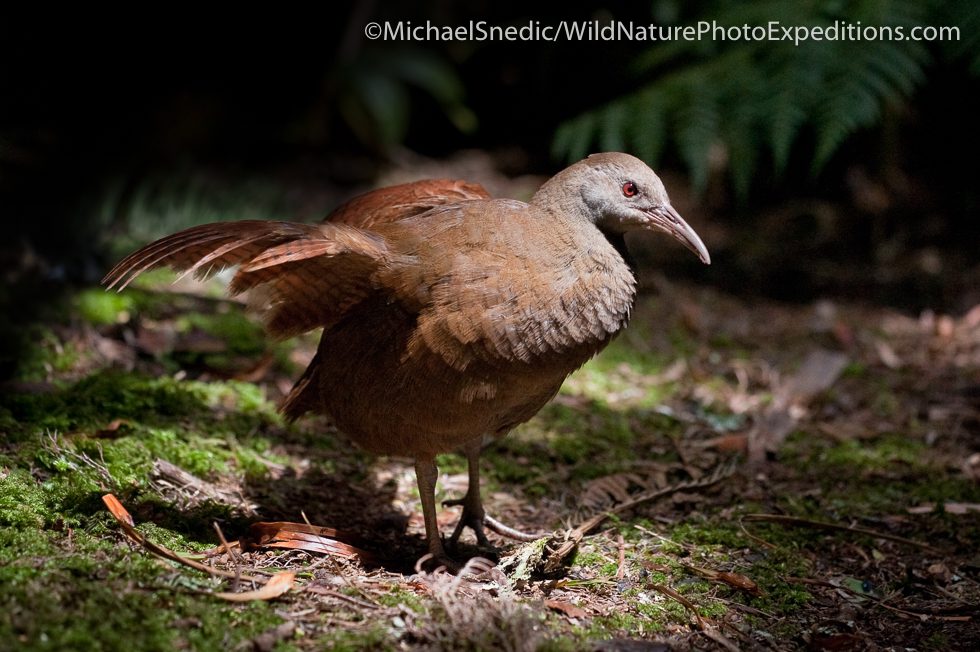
96,110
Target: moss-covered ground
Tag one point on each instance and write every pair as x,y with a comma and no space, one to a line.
112,384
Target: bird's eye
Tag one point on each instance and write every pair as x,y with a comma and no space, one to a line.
630,189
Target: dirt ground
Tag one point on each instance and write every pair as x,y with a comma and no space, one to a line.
772,477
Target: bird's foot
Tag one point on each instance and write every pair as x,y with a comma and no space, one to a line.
475,518
437,562
441,562
472,517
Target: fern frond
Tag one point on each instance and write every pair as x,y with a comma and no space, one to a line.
754,99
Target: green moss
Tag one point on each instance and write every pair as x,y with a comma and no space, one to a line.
709,534
96,400
877,455
855,369
90,594
628,624
22,505
376,637
99,307
937,641
44,355
399,596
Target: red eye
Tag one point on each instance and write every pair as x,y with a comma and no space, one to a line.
630,189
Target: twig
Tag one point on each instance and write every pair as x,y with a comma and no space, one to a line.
497,527
126,523
687,604
573,538
232,556
621,568
319,590
916,613
707,627
762,542
805,522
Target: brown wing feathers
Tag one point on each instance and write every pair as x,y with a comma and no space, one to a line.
301,276
304,275
396,203
222,244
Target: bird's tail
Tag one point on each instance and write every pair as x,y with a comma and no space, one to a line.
301,276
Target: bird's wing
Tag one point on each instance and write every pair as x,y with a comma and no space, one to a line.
395,203
302,276
490,283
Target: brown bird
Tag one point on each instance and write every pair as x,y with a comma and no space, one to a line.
448,317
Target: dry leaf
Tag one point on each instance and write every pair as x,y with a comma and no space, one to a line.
740,582
961,508
567,608
949,508
311,538
735,580
125,520
279,584
112,428
737,443
120,513
819,371
887,355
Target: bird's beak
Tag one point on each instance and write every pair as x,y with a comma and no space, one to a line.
667,219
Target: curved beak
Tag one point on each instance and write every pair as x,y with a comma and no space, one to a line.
667,219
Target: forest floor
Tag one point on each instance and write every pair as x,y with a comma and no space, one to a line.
840,508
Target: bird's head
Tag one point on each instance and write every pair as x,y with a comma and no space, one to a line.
619,193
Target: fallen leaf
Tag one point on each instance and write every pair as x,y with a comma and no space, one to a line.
950,508
112,428
924,508
728,443
301,536
819,371
120,513
972,317
279,584
740,582
835,642
735,580
887,355
567,608
125,520
961,508
939,571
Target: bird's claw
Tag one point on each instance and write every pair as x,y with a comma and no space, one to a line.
473,518
437,562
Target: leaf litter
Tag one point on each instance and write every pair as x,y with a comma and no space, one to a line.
838,407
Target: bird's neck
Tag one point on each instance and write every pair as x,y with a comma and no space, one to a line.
618,242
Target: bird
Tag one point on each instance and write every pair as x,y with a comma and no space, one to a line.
449,317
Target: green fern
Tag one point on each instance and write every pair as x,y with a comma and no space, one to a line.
374,92
752,100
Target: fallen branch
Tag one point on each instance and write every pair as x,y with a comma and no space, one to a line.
822,525
552,562
920,614
125,520
707,627
272,587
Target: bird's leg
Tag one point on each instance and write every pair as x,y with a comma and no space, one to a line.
473,513
426,474
474,516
